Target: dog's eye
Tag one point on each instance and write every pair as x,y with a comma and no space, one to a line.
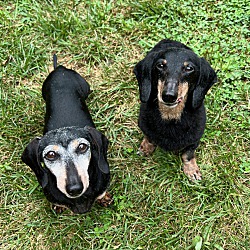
189,68
82,148
51,156
160,66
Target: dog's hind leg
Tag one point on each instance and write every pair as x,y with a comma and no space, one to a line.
190,167
146,147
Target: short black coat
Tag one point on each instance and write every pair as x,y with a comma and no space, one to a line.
184,133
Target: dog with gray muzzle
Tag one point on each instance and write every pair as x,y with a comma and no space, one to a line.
70,160
173,82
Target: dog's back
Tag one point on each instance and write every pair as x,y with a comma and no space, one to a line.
65,92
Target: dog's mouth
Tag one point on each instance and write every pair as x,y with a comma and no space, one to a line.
74,196
175,103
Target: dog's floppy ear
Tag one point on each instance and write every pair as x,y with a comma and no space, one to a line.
100,148
142,72
31,158
206,80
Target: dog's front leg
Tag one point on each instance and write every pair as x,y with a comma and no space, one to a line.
146,147
190,167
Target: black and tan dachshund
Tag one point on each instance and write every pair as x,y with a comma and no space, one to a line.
173,82
70,160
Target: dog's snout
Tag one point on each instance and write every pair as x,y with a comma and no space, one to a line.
170,91
169,97
75,189
74,184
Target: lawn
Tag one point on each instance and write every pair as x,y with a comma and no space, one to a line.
155,205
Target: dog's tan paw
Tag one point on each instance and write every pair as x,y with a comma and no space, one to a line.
193,174
192,170
58,209
105,200
146,147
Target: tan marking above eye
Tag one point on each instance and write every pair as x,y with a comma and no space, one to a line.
55,148
75,143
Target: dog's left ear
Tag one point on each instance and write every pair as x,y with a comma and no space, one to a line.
100,148
142,72
206,80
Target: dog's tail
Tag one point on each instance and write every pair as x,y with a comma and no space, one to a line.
54,61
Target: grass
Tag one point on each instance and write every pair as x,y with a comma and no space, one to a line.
155,206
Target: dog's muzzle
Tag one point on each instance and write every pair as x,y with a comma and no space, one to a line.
74,186
171,99
170,93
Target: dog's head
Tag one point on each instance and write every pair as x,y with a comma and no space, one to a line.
171,72
68,154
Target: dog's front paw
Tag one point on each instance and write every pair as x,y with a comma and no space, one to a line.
192,170
58,208
192,174
146,147
105,200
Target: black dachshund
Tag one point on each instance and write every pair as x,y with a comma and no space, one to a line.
70,160
173,82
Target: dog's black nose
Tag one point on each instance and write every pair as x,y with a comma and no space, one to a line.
169,97
74,190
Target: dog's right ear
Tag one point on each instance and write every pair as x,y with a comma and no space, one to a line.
142,72
31,158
